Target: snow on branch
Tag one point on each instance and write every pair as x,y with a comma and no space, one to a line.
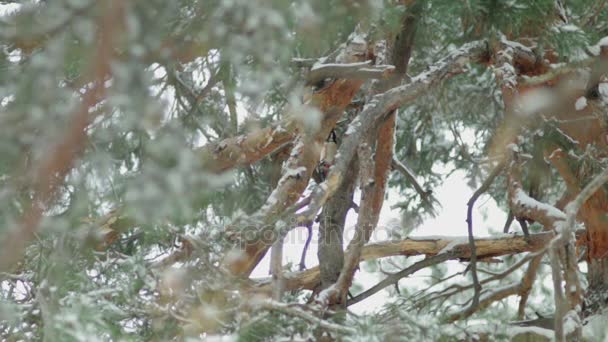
362,71
524,206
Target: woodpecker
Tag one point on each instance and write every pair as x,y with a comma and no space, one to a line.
327,158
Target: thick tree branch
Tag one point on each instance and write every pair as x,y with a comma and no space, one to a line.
276,267
373,188
330,250
573,207
563,252
336,294
458,248
372,199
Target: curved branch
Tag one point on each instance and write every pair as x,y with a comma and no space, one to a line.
394,278
483,188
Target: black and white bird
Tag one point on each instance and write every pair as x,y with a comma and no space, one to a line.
327,158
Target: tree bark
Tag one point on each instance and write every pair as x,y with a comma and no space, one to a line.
331,228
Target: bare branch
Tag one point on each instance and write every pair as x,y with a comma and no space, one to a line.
394,278
500,293
526,284
425,195
558,295
483,188
457,288
485,300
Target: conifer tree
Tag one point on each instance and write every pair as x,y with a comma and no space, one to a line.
155,154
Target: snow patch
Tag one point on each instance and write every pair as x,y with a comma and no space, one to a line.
581,103
603,89
513,147
535,330
521,198
534,101
295,172
353,127
515,45
595,328
571,322
308,116
455,242
235,255
338,65
569,28
325,295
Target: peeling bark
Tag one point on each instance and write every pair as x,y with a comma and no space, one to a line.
245,149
